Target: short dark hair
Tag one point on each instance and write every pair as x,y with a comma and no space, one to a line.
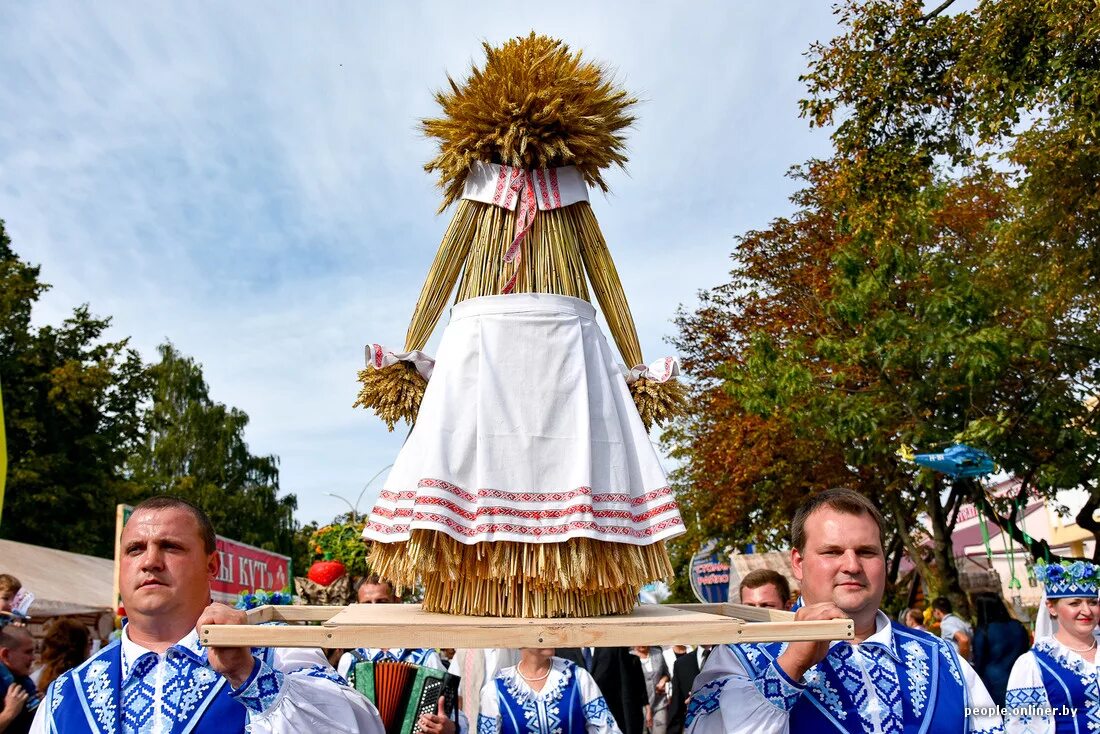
762,577
373,580
942,604
167,502
840,499
12,635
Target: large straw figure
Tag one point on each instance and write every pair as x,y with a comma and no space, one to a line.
528,486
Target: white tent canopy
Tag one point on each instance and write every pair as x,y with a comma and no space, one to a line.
63,583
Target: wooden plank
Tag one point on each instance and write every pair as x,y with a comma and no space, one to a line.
116,596
259,615
406,625
741,611
294,613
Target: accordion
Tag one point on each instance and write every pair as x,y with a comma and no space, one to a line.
402,692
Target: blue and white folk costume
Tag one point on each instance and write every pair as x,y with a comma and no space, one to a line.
897,680
569,703
425,657
128,689
1052,689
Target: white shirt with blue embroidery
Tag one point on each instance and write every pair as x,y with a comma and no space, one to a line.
743,708
1031,709
298,692
425,657
546,711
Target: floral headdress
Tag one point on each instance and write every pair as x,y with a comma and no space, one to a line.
1069,580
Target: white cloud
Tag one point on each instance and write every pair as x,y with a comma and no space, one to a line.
245,179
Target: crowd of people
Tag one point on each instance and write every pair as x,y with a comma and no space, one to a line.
894,676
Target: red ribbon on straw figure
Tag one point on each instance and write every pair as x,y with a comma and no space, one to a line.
510,187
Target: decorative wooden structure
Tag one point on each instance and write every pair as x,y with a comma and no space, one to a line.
407,625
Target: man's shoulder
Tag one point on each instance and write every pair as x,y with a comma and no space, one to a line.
685,661
954,623
902,633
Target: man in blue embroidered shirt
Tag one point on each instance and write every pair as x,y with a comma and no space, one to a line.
888,679
158,680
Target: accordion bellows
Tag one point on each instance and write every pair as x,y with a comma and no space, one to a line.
403,691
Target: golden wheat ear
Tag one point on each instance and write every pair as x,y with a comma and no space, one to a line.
533,104
393,392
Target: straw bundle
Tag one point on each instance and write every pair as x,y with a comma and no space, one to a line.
535,104
393,393
576,578
658,402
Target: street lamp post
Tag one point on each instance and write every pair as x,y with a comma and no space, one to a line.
355,508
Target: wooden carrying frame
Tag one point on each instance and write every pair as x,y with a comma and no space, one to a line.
407,625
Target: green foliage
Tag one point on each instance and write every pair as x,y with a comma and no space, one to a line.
90,426
71,403
194,448
937,283
301,555
341,542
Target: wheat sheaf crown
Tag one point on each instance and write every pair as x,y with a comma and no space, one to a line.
533,104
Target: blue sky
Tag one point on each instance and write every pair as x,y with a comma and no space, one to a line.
246,179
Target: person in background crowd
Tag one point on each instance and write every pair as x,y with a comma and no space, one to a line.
684,673
373,590
9,587
765,588
657,679
618,674
1053,687
889,678
543,694
998,641
17,690
159,678
66,645
914,619
952,627
674,653
475,668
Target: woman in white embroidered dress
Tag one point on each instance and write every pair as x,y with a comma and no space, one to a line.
1053,687
543,694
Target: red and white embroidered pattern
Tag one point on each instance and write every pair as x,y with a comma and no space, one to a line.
672,524
512,182
500,494
502,510
441,505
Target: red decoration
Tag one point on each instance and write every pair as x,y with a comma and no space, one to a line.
325,572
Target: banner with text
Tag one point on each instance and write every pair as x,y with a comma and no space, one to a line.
710,575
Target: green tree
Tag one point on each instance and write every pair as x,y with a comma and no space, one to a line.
71,404
194,448
937,284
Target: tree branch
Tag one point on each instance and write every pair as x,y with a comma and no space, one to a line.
943,6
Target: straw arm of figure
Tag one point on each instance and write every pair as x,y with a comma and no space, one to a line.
448,263
605,282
